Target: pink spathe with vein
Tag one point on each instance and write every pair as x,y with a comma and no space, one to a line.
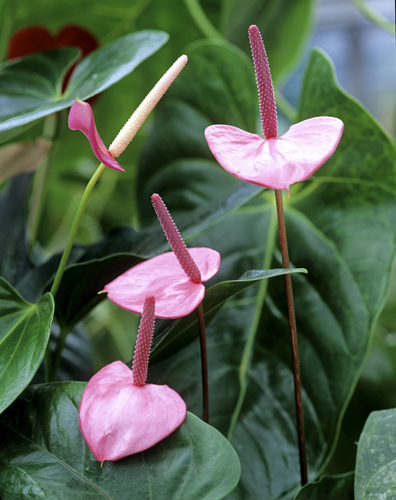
270,161
119,413
175,278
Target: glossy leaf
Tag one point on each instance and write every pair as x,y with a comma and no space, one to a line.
340,228
31,86
181,332
25,330
216,86
46,453
376,464
338,487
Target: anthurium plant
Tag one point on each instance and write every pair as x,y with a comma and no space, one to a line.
168,330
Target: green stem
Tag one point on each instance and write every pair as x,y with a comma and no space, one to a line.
375,18
247,352
51,132
204,363
293,338
75,226
201,20
49,372
7,15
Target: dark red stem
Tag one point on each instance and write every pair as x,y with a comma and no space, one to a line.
293,338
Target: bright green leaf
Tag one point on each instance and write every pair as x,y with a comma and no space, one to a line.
24,334
43,452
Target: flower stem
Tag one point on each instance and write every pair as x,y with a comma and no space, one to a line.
204,363
73,231
293,338
65,257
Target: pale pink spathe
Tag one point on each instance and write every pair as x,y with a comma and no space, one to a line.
278,162
176,295
118,418
81,118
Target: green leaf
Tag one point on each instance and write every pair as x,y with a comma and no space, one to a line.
339,487
31,86
363,137
24,334
181,332
284,26
376,464
43,452
14,261
216,86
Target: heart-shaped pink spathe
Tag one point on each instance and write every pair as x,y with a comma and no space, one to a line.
118,418
278,162
81,118
176,295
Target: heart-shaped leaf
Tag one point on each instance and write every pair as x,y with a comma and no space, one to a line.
31,87
376,463
24,334
43,453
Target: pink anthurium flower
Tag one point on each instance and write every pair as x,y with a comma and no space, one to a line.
81,118
270,161
174,279
119,413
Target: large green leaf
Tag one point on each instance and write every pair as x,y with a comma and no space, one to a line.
216,85
180,333
24,334
338,487
376,463
43,453
31,87
340,228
